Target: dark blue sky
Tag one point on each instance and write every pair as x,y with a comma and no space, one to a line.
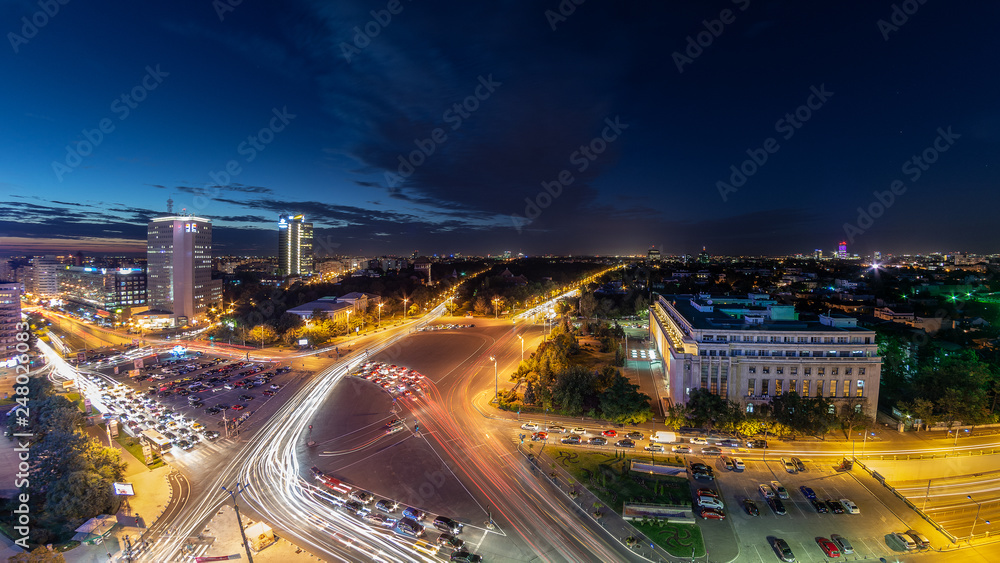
532,96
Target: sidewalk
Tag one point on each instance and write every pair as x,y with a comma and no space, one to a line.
227,541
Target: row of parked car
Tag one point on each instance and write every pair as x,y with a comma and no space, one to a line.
405,521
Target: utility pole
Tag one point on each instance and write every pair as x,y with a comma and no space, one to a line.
239,522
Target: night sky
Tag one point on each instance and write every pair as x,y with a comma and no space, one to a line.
431,128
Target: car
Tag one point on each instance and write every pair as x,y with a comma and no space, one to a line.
712,514
610,433
267,393
184,444
789,466
807,492
571,440
829,548
626,443
557,428
766,491
466,557
738,464
210,434
447,525
529,426
539,436
750,507
699,441
728,462
834,506
842,543
578,430
387,506
598,441
756,443
798,464
635,436
850,507
246,397
819,505
708,493
777,506
781,491
275,387
238,407
904,540
414,514
781,548
451,541
354,507
918,538
654,448
681,449
425,547
213,410
700,470
364,497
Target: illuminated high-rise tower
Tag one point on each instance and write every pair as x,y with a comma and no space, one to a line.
842,250
295,245
179,267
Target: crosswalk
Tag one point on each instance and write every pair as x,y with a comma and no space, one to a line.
205,450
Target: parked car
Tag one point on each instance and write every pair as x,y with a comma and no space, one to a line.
918,538
777,506
781,491
834,506
798,464
789,466
712,514
766,491
828,547
782,550
819,505
842,543
738,463
751,507
904,540
807,492
850,507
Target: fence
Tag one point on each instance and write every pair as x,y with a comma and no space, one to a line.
875,475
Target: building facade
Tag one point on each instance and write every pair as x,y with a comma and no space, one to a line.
179,267
44,283
108,293
749,350
10,316
295,246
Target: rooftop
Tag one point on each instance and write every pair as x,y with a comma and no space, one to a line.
711,319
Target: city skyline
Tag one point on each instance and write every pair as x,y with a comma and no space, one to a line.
605,131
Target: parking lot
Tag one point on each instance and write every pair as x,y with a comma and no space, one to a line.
189,399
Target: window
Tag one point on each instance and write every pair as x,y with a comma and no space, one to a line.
833,371
793,370
815,340
842,340
805,387
847,371
778,384
861,388
775,339
861,371
752,369
708,338
711,352
819,387
789,353
828,340
779,370
789,339
803,339
761,339
807,371
722,338
833,387
868,340
847,387
722,352
761,352
749,408
793,386
765,385
702,352
821,371
766,369
747,339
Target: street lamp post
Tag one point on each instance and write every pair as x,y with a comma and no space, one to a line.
380,313
521,338
405,299
979,507
496,392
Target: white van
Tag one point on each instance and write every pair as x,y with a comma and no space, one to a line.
738,464
905,540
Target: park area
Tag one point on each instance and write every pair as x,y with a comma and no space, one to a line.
606,475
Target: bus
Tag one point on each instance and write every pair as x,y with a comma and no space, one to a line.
158,442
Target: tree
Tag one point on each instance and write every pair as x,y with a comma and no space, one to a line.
262,334
482,306
622,403
587,305
40,554
574,391
704,408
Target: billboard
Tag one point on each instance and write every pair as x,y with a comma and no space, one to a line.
138,363
124,489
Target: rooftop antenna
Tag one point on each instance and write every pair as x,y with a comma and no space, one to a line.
170,205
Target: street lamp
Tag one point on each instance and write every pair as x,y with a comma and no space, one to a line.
496,312
521,338
496,392
979,506
405,299
380,313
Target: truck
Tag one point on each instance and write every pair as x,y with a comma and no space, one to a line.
663,437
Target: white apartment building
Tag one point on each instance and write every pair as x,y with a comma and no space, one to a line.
750,349
10,316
